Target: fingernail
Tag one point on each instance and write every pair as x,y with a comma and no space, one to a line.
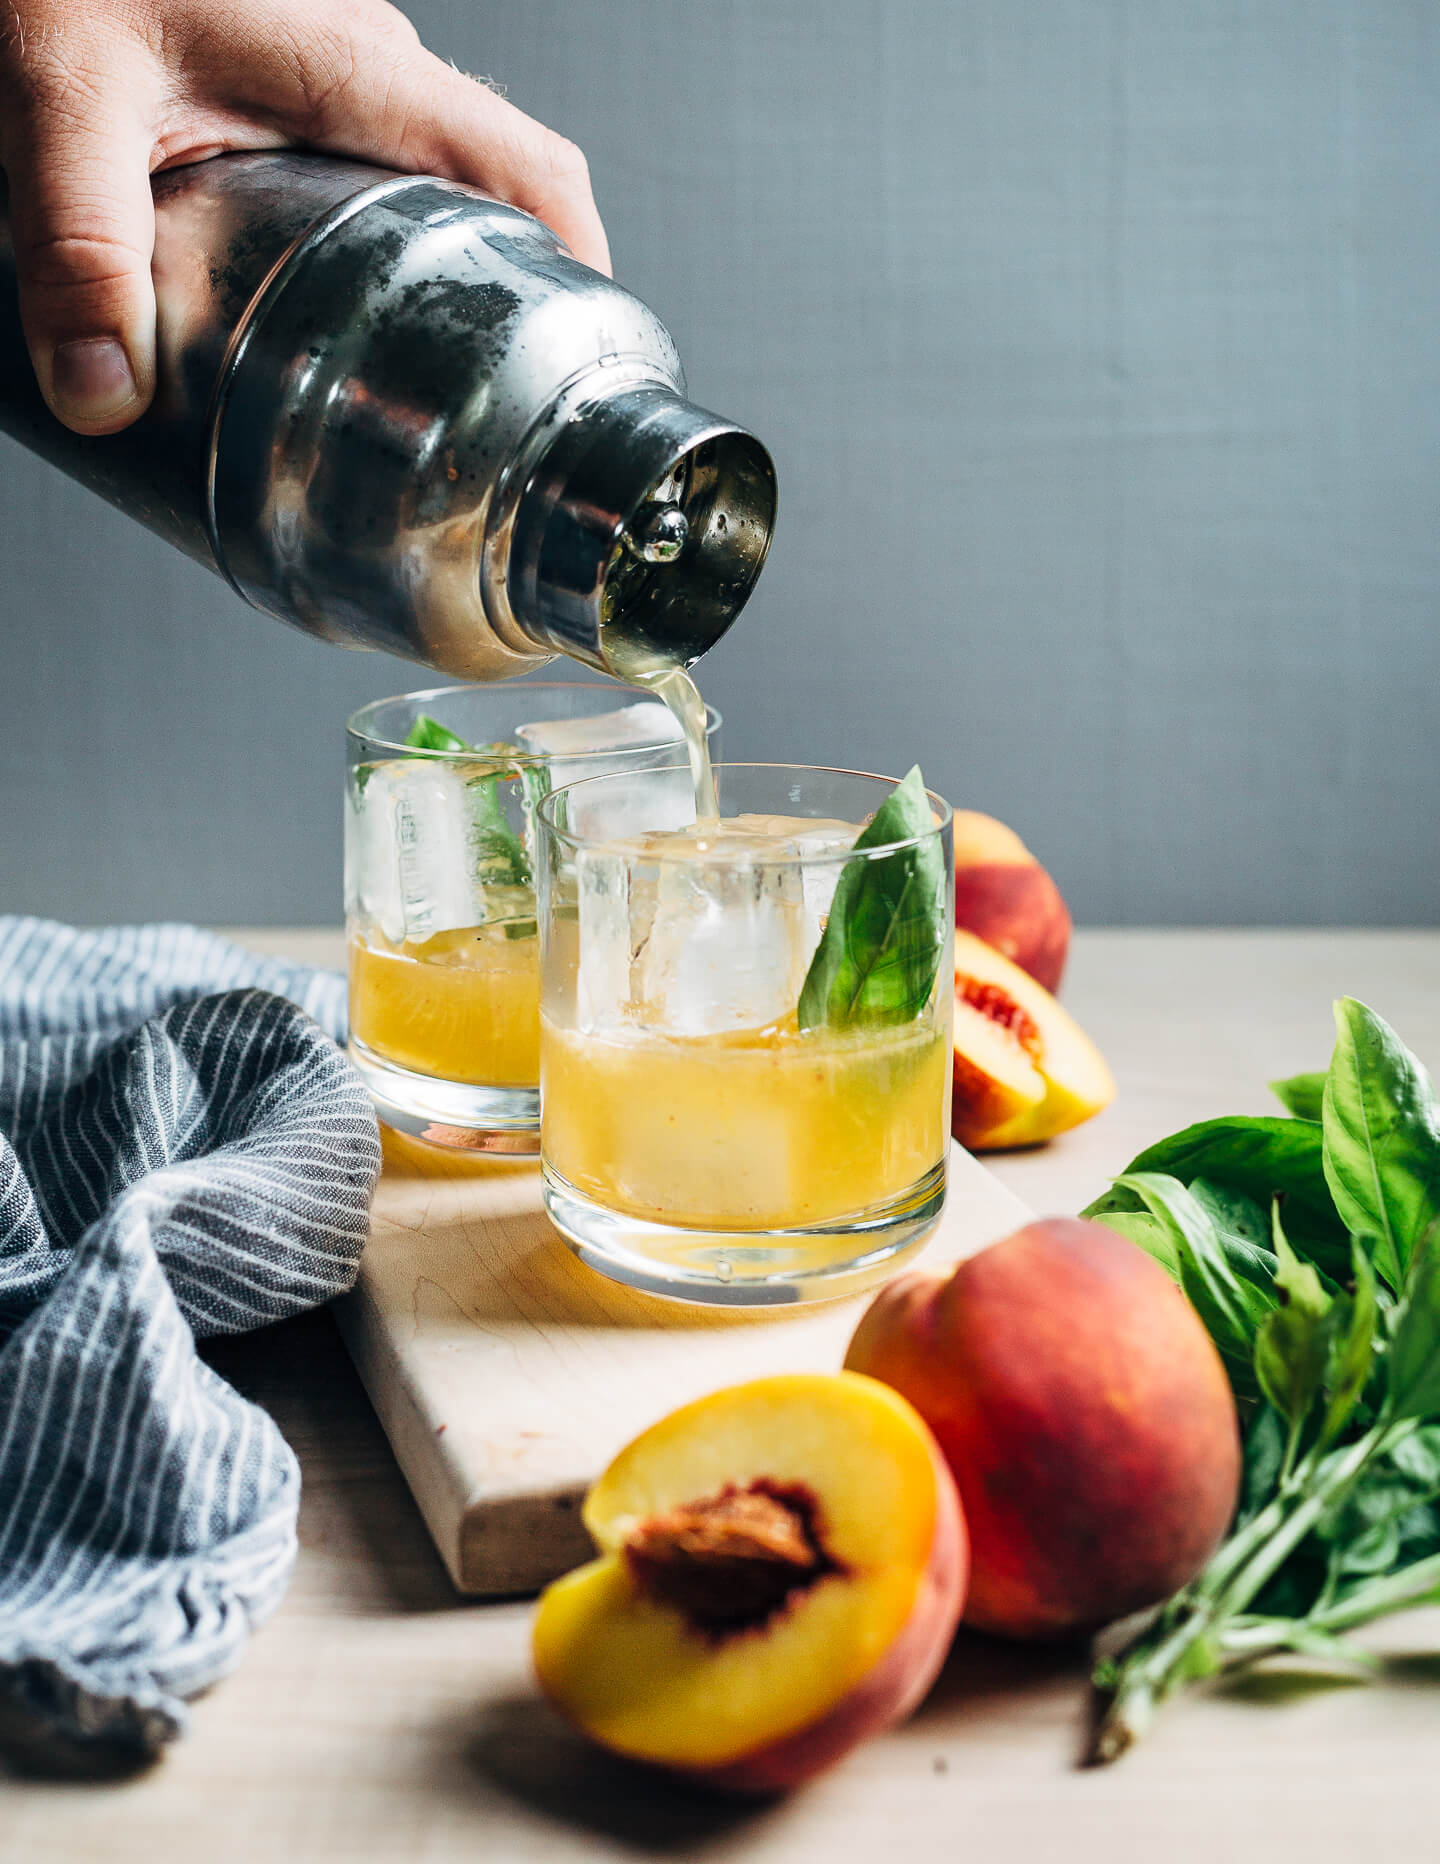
91,378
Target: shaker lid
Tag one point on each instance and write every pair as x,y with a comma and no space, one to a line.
641,531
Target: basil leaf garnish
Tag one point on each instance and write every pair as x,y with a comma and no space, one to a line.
500,857
888,926
428,734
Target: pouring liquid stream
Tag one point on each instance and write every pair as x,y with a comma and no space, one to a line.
674,686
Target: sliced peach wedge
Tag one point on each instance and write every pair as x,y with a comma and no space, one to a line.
782,1568
1024,1068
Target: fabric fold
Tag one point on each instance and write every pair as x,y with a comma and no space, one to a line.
206,1171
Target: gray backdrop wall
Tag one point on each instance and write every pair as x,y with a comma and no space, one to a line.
1098,343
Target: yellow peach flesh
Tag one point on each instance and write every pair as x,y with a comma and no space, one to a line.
763,1706
1055,1053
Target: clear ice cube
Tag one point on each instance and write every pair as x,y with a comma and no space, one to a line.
416,856
702,932
632,804
563,740
820,878
812,839
602,982
726,947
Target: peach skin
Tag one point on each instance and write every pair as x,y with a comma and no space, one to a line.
1004,895
1084,1412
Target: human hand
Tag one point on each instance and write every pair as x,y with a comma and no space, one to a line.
95,95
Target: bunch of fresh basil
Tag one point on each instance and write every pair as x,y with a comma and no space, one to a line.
1310,1247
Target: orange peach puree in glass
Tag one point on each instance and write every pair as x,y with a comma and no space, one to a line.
751,1130
462,1006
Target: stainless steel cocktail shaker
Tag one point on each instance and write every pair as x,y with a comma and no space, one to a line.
400,415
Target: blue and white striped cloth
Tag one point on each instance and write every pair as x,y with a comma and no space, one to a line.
183,1151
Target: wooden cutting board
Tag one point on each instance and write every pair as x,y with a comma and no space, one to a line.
507,1374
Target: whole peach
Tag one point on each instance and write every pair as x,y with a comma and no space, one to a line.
1006,897
1084,1412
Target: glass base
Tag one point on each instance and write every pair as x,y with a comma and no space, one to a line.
747,1268
450,1113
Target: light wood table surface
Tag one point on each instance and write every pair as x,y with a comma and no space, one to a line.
376,1716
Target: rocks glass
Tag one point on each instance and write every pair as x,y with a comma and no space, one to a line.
730,1114
440,905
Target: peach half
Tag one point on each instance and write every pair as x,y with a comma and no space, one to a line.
1085,1415
782,1567
1004,895
1024,1068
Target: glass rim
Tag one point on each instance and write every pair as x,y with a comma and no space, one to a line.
545,811
354,729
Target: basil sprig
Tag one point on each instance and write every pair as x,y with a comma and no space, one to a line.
1328,1323
500,856
887,928
428,734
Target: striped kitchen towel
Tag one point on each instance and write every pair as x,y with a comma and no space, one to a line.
183,1151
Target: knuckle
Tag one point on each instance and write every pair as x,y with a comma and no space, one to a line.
54,55
564,161
32,78
343,64
388,24
73,261
315,61
327,80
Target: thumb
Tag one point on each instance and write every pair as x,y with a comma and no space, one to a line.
84,230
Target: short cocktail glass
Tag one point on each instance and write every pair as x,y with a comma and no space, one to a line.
440,905
707,1135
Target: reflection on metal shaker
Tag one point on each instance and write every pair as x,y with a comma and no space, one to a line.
398,414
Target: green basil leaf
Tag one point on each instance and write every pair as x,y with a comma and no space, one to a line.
1412,1364
1374,1551
1264,1459
1147,1233
1386,1519
1256,1158
1381,1138
428,734
498,852
1419,1532
1242,1217
1302,1094
535,781
888,928
1352,1348
1231,1306
1382,1509
1417,1457
1292,1347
